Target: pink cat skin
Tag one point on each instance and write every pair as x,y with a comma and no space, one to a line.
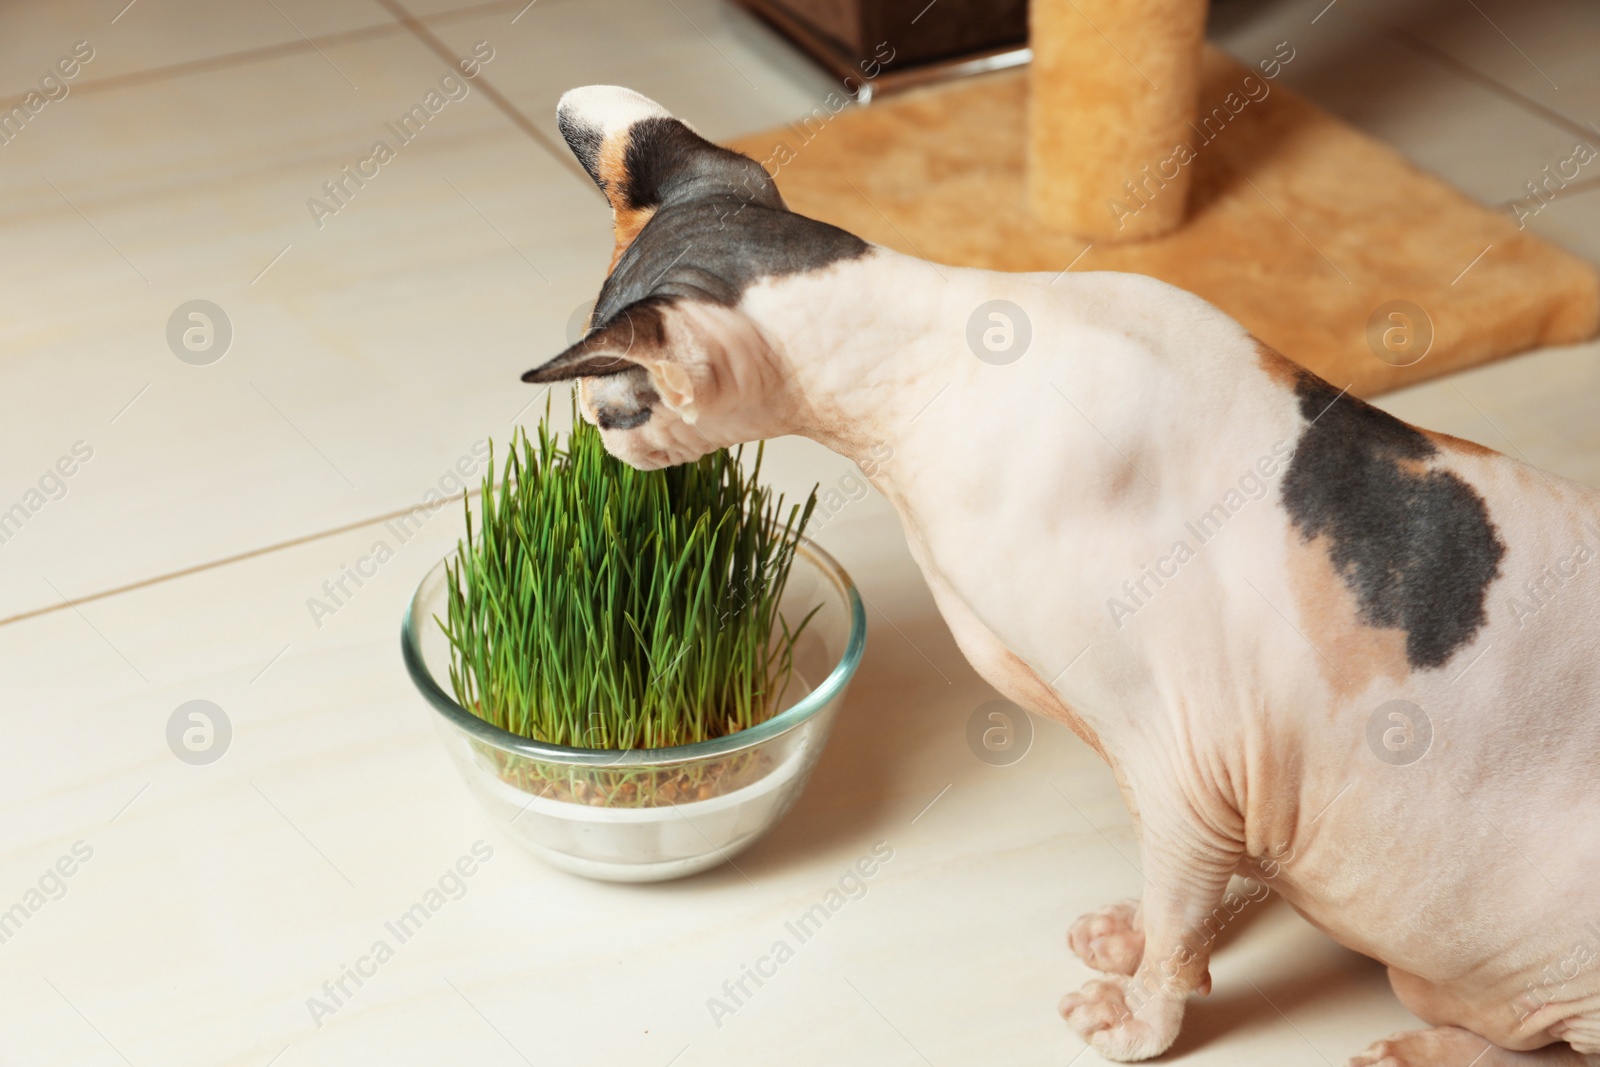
1351,658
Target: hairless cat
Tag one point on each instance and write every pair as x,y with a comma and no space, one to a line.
1315,644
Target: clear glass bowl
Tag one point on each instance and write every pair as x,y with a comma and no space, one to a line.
646,815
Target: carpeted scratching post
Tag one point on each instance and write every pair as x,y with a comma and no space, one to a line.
1308,231
1102,124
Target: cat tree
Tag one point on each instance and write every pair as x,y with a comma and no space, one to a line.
1129,144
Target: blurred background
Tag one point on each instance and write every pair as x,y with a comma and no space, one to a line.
240,341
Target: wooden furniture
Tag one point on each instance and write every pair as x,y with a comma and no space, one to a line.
878,46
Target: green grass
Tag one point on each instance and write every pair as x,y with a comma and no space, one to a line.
597,606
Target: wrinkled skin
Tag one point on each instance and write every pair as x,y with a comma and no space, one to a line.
1351,659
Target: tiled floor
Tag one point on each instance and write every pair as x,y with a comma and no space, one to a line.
368,354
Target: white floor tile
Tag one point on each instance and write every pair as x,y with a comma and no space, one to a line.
374,347
1539,408
378,346
1572,221
707,61
148,34
1443,121
1544,51
368,356
219,898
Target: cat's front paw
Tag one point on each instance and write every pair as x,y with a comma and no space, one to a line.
1121,1024
1111,939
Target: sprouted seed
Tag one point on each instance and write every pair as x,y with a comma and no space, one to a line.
597,606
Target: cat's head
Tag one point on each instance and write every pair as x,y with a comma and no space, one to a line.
671,367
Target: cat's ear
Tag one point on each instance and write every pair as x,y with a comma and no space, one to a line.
639,155
678,343
634,336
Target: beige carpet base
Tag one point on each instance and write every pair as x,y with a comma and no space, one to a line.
1306,230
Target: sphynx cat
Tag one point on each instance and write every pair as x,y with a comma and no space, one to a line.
1353,659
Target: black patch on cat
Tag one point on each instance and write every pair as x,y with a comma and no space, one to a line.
585,142
719,227
604,350
610,418
716,246
641,325
664,159
1416,547
575,363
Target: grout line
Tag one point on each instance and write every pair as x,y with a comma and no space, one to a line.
239,557
314,44
259,54
1571,189
1494,85
1521,53
451,142
559,153
98,632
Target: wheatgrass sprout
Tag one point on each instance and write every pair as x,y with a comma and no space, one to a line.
599,606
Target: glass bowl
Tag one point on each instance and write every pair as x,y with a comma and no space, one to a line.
645,815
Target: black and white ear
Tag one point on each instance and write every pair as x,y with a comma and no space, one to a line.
631,339
651,335
638,155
